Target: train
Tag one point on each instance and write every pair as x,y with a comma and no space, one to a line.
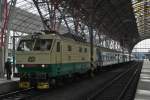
43,58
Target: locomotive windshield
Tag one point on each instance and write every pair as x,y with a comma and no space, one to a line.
35,45
25,45
42,44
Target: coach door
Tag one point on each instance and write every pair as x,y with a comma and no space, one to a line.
58,52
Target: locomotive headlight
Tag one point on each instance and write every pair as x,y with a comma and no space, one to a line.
22,65
43,65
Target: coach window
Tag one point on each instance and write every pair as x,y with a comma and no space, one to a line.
69,48
102,57
58,47
107,57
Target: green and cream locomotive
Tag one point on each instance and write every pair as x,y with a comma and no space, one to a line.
41,59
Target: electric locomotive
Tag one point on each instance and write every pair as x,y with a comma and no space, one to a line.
41,59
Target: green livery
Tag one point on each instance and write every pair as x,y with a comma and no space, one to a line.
52,56
55,70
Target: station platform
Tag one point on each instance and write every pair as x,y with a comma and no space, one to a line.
143,89
8,85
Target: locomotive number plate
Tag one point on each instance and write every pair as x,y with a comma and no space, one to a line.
31,59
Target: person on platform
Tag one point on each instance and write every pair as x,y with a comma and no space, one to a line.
8,68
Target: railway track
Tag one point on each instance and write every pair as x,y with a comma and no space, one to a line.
116,89
19,95
30,94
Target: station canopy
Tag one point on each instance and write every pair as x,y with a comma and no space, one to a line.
125,21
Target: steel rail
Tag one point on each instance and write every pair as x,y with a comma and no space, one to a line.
10,94
91,97
127,86
136,72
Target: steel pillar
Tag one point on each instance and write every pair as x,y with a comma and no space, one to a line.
14,52
1,54
9,19
3,14
1,6
90,27
91,43
1,62
4,33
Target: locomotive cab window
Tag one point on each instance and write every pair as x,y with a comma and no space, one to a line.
43,44
25,45
36,44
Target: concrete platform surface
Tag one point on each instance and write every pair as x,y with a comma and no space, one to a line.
143,89
8,85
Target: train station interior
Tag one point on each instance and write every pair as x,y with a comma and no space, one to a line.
75,49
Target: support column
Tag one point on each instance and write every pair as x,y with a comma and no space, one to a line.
5,30
1,47
2,62
91,44
130,51
1,12
10,18
123,52
14,52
